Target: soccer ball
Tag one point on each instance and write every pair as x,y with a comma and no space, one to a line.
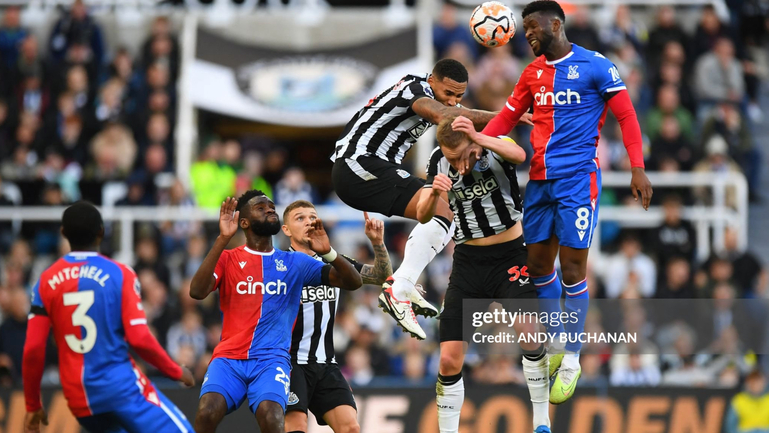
492,24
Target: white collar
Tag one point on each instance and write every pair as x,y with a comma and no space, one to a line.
83,253
555,62
258,253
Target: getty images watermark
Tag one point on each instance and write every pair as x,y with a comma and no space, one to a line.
721,326
496,327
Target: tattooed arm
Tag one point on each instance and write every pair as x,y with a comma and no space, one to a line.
382,268
434,111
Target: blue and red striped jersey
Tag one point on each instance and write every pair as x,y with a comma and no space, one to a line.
569,99
91,301
259,296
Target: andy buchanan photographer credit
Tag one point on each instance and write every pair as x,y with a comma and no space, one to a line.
508,318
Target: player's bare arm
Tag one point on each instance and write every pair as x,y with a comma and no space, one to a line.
203,281
343,274
508,150
382,268
434,111
429,197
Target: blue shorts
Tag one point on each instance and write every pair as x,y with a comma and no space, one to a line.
258,379
566,207
138,415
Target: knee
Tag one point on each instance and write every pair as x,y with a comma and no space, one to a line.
296,421
208,414
538,267
351,427
573,272
449,364
274,420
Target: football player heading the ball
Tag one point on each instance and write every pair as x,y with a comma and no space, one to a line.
570,89
367,173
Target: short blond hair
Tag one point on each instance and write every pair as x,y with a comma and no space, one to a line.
296,205
447,136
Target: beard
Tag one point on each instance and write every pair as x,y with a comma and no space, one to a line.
543,44
266,227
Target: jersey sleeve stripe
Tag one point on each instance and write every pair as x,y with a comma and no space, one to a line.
216,276
615,89
141,321
509,107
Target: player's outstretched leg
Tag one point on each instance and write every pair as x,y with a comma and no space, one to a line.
399,293
541,267
211,410
450,389
269,416
424,243
574,269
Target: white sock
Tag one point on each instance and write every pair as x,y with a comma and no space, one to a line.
424,243
536,373
570,360
449,399
556,347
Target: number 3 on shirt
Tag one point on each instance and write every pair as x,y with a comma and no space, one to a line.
83,300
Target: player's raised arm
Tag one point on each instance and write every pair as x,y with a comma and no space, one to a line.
33,363
507,149
204,281
342,274
434,111
138,335
382,268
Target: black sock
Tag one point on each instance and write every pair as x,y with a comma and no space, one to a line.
536,354
449,380
443,221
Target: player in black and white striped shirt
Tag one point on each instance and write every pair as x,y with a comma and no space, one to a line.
317,383
367,174
489,259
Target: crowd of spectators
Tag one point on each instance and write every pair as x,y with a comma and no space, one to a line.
76,112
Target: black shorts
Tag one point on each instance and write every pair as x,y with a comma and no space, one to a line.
374,185
319,388
482,273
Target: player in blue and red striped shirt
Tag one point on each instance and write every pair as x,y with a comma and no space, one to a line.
94,306
260,289
570,89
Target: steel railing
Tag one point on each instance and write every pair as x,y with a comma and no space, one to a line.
715,218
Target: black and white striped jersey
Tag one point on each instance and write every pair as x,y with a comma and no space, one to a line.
312,341
386,127
485,202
